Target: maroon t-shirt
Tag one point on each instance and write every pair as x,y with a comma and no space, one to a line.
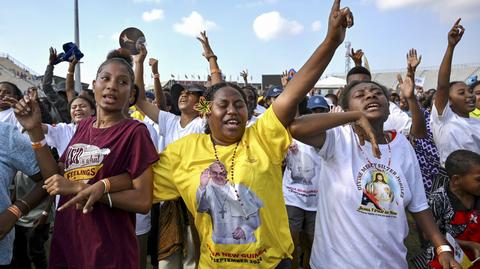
104,238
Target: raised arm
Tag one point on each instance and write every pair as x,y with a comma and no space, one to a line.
441,97
149,109
69,83
285,106
215,71
356,56
407,89
244,75
157,86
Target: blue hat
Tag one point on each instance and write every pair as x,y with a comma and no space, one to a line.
150,95
317,101
274,91
472,80
70,51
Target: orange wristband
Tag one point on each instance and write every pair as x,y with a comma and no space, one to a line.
15,211
39,145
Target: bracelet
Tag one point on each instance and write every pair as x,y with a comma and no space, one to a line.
45,213
157,76
109,200
106,183
15,211
443,248
212,56
26,204
39,145
70,73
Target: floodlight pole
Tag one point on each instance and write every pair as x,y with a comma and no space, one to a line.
78,82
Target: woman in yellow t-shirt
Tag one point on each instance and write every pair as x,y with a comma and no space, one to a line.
230,178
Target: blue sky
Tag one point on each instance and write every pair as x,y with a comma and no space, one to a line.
263,36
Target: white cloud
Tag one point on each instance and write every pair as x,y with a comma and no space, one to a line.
447,9
316,26
193,25
272,25
152,15
256,3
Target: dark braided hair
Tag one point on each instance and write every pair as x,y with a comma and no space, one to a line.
210,92
120,56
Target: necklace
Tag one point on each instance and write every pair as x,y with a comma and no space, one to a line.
231,181
366,157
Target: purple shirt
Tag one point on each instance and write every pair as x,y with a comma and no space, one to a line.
104,238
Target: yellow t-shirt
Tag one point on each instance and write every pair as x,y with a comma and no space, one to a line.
475,113
245,231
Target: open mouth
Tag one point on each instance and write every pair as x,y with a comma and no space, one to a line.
109,98
232,123
372,106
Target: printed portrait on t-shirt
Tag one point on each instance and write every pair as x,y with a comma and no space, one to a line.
233,208
381,188
301,166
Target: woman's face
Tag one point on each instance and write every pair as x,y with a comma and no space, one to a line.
6,90
461,98
476,91
113,88
228,116
370,99
80,109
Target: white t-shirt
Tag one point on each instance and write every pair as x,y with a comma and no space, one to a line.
252,121
171,130
59,136
301,176
398,120
361,222
452,132
8,116
259,109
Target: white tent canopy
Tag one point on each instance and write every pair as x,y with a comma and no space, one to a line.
330,83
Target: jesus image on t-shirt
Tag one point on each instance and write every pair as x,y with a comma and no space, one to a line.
234,208
380,189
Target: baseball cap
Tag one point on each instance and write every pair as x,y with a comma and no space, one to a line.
274,91
317,101
177,89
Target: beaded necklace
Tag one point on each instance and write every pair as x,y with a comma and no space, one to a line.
232,183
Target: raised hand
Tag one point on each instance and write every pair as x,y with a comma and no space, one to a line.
413,61
154,64
244,75
207,50
204,178
338,22
53,55
407,87
356,56
364,130
456,33
284,78
142,54
27,111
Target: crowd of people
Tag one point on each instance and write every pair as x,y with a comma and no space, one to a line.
219,176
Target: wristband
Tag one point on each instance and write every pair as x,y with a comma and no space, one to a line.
39,144
443,248
157,76
70,73
212,56
15,211
45,213
106,183
109,200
